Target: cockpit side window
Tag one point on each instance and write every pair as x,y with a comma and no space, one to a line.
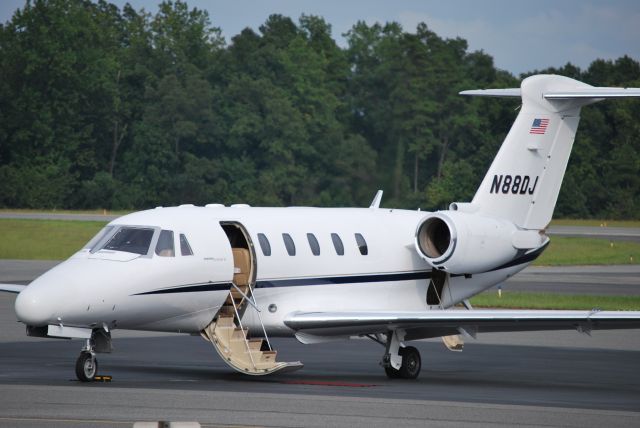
96,242
164,247
185,248
131,239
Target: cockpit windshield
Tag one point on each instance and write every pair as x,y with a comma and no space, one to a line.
135,240
96,242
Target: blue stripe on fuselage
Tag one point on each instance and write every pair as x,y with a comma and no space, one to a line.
335,280
356,279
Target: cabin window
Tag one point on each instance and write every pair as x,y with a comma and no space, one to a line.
337,244
265,246
96,242
288,243
313,243
185,248
362,244
164,247
131,240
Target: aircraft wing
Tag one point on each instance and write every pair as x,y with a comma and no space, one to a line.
435,323
12,288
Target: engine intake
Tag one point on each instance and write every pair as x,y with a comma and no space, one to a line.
434,237
466,243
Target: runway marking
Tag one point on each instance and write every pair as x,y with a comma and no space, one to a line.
328,383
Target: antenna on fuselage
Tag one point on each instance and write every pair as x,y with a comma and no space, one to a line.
376,200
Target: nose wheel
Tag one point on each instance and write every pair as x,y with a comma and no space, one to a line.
86,366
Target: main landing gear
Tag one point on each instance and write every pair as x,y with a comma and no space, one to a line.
410,367
400,362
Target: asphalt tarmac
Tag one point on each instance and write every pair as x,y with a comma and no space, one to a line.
527,379
622,280
605,232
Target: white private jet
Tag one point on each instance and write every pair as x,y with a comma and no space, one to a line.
237,275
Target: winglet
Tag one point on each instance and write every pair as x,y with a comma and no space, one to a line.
376,200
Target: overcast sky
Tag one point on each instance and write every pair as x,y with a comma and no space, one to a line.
521,36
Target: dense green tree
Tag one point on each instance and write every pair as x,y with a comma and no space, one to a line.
119,108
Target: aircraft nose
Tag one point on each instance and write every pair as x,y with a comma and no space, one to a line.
33,308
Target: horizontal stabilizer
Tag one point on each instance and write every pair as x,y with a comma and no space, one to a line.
594,93
509,92
561,95
12,288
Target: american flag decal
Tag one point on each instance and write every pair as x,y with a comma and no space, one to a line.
539,126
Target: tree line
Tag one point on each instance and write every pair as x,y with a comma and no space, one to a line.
102,107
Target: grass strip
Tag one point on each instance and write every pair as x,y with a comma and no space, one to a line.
521,300
563,251
44,239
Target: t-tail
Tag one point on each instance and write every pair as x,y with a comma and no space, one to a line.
523,182
503,224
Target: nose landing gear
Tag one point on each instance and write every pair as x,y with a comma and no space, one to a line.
87,364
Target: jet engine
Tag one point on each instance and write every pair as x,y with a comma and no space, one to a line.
467,243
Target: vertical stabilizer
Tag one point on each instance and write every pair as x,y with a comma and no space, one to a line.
523,182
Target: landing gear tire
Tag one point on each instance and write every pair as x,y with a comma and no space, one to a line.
411,363
392,373
86,367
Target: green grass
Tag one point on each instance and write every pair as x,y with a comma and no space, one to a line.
588,251
44,239
518,300
596,223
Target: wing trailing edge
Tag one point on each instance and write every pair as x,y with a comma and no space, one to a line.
439,322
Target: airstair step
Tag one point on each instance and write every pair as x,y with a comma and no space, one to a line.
227,310
239,334
269,356
231,340
255,344
238,293
225,320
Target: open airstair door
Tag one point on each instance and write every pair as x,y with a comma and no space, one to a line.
232,341
436,300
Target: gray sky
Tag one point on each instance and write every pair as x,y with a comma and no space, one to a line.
521,36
